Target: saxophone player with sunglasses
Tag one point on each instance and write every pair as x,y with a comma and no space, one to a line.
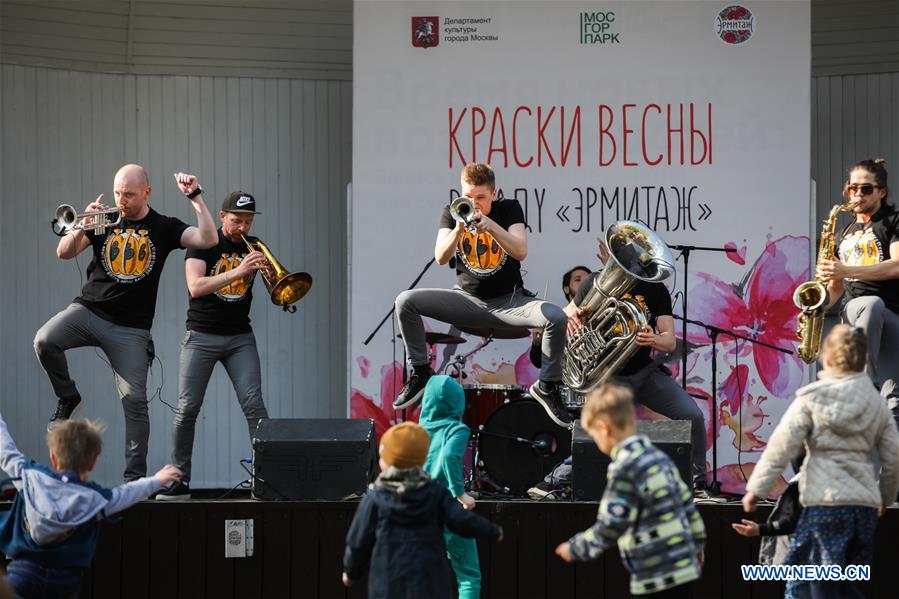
866,271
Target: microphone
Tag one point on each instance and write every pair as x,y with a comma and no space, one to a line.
681,248
539,444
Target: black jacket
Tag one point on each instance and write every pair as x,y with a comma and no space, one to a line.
401,536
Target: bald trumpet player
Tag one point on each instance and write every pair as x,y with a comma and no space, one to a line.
115,309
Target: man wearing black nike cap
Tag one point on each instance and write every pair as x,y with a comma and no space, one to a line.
220,282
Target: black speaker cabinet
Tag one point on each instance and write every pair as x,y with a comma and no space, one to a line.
589,465
316,459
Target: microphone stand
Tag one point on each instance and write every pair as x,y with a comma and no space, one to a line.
389,314
713,332
685,254
393,309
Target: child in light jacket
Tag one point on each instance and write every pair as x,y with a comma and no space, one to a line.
839,420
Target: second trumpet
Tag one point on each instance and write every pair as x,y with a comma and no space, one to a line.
284,287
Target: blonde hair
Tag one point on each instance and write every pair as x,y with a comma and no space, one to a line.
846,348
611,403
476,173
76,444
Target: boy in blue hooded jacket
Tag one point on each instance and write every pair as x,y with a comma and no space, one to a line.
51,531
441,415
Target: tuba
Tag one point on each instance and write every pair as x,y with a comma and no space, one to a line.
811,297
285,288
608,338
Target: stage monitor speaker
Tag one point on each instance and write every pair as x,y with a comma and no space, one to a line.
589,465
314,459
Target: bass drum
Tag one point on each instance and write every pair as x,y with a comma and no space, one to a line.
483,400
520,444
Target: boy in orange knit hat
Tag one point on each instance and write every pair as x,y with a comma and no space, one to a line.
398,527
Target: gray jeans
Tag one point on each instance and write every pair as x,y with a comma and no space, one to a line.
199,354
881,326
656,390
128,352
462,309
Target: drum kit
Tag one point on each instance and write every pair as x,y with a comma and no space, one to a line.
514,443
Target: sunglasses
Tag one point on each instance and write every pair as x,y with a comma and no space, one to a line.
864,189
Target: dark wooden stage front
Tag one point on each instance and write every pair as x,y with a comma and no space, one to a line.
176,550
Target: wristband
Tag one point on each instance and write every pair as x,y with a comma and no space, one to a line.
194,193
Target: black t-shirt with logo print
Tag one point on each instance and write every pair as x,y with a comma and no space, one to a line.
864,244
656,300
226,311
483,268
123,276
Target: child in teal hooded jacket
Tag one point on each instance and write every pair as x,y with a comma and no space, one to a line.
441,415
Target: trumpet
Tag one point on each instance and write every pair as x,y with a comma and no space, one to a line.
284,287
66,219
461,210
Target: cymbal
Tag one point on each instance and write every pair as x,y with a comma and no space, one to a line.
496,333
432,338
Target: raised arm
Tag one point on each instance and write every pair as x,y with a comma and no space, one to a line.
124,496
11,459
204,235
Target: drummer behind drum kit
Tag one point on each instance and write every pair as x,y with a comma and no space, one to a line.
514,443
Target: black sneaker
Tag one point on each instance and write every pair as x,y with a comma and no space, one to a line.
542,491
65,409
413,389
550,397
178,490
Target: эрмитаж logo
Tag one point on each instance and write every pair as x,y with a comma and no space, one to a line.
734,24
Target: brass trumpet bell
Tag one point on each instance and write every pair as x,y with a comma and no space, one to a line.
285,288
67,219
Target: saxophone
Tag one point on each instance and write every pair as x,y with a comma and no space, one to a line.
811,297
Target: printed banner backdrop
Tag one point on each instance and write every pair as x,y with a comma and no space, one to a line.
692,117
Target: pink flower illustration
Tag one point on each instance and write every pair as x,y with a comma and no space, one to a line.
732,480
364,406
740,412
760,307
738,256
525,372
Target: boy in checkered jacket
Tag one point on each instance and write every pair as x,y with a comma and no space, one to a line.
646,508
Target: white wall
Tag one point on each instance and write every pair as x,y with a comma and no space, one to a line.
64,134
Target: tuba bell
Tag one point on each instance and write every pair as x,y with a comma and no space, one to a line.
608,338
284,287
